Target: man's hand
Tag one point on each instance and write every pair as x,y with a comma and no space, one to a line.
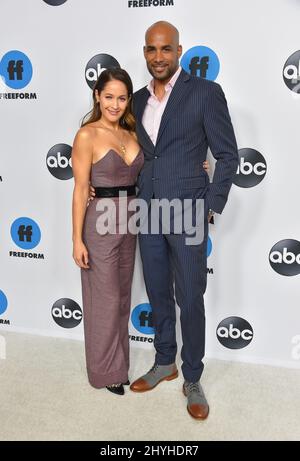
210,217
91,194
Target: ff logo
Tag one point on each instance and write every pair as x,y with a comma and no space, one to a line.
234,333
252,168
142,320
66,313
291,72
59,161
16,69
285,257
55,2
3,302
201,61
25,233
98,64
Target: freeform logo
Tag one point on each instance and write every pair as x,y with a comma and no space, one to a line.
291,72
209,246
66,313
3,302
3,307
98,64
284,257
252,168
201,61
16,69
145,3
59,161
141,318
26,233
234,333
55,2
141,339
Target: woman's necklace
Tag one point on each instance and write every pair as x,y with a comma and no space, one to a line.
121,143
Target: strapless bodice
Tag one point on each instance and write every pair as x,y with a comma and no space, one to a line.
112,170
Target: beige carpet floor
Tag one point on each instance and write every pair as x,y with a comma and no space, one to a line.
45,395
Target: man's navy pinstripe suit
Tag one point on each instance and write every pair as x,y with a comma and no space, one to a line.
195,118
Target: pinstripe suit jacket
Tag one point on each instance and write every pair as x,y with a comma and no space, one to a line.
196,117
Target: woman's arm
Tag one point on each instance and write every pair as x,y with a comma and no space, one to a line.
82,156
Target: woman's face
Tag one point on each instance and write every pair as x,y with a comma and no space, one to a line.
113,100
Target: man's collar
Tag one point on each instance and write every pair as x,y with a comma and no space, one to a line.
169,85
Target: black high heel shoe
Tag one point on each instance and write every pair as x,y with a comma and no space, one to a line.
116,389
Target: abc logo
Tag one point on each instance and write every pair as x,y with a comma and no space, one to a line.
96,65
66,313
3,302
201,61
55,2
141,318
285,257
59,161
252,168
234,333
291,72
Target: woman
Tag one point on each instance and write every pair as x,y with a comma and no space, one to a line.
106,152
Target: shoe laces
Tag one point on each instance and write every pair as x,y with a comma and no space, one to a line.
154,368
193,387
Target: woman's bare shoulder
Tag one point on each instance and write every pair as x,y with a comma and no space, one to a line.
86,133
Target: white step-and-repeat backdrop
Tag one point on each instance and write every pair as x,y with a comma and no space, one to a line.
51,54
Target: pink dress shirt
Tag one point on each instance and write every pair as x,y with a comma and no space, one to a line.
155,108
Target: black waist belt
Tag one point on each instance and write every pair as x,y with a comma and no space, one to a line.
114,191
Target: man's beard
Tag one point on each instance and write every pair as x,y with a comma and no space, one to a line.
170,71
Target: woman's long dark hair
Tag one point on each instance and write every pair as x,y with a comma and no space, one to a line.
127,121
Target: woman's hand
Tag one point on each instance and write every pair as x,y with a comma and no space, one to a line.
80,255
206,166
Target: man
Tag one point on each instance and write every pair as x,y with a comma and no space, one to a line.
178,118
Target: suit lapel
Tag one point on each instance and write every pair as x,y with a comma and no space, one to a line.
140,108
176,96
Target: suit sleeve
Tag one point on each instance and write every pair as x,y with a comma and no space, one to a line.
222,143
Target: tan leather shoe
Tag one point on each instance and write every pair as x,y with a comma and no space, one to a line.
156,375
197,404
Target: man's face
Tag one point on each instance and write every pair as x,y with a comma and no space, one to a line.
162,53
